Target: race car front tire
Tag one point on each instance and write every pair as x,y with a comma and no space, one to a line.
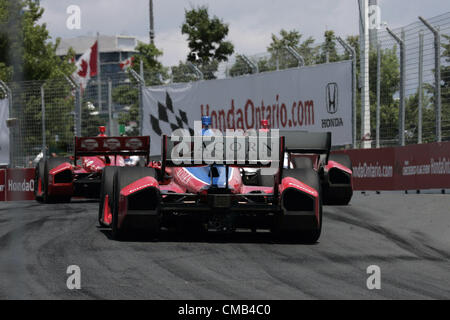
123,177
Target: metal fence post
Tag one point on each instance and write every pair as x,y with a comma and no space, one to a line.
401,114
44,143
297,56
378,94
354,86
141,107
110,120
141,98
420,98
352,54
403,86
437,76
141,83
366,138
77,109
8,94
196,70
250,63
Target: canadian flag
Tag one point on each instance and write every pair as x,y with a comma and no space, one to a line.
127,63
87,66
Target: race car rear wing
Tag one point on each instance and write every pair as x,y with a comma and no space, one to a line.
307,142
260,150
235,151
110,146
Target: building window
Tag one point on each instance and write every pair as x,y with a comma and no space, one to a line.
109,57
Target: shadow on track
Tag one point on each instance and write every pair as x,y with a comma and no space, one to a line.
84,200
179,236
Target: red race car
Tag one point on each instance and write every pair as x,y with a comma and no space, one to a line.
195,187
59,179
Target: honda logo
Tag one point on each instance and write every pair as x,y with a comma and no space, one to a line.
332,97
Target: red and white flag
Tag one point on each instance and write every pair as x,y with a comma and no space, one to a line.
127,63
87,66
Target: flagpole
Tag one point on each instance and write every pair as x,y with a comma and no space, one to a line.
99,79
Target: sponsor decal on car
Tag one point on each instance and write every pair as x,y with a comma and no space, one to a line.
111,144
89,144
133,143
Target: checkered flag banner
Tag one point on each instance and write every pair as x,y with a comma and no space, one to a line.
162,117
167,119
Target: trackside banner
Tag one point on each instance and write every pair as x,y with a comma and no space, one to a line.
4,132
414,167
314,98
16,184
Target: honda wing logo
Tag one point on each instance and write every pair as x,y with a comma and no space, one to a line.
332,97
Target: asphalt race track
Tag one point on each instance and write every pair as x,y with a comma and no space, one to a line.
406,235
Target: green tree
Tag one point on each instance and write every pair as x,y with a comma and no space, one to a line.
279,56
445,95
445,87
353,41
155,72
183,73
390,83
128,94
308,51
389,86
26,52
240,67
328,49
390,76
286,39
206,40
412,117
282,58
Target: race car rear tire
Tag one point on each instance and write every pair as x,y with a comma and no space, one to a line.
341,158
50,164
106,188
123,177
39,181
339,196
298,228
